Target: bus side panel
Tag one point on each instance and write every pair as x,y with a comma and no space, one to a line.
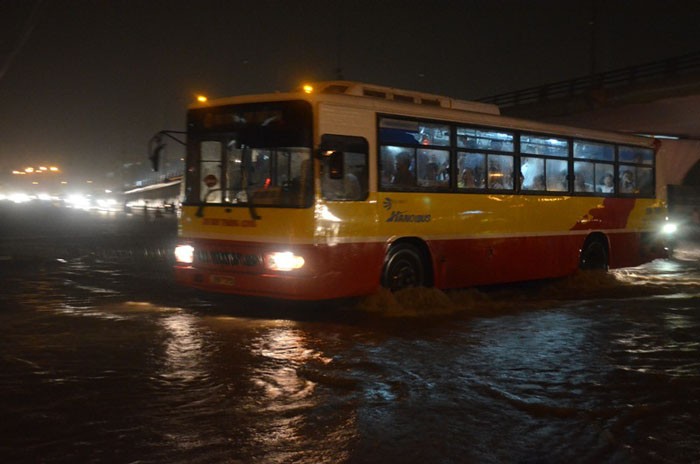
625,250
351,269
462,263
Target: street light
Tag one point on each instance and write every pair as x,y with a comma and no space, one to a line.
36,170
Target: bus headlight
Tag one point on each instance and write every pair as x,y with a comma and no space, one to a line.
669,228
184,254
284,261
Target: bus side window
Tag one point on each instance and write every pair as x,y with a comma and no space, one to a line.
398,166
500,172
604,178
434,171
627,183
352,185
533,174
348,186
557,176
471,168
644,181
583,176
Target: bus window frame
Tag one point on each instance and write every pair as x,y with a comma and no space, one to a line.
455,151
619,165
342,145
546,158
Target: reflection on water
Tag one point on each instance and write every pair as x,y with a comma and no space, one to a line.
288,401
284,354
667,275
110,367
184,359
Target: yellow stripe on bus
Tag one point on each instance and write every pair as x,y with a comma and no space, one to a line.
430,216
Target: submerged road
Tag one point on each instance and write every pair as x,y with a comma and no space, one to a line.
104,359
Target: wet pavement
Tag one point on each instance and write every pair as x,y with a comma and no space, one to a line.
105,359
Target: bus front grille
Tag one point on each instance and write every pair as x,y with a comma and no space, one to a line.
228,258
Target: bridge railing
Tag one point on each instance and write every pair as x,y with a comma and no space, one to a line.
626,76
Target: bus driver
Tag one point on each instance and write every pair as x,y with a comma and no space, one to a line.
347,188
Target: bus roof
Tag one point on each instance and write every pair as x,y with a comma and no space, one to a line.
360,89
425,105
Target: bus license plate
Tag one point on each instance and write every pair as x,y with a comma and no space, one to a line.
223,280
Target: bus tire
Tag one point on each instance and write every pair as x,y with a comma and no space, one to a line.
594,256
404,268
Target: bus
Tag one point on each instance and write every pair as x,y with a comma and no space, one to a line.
341,188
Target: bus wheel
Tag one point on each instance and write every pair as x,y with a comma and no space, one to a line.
403,268
594,256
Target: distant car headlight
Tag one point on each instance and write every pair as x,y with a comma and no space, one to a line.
184,254
284,261
669,228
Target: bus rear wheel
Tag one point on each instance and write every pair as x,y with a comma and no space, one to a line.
594,256
404,268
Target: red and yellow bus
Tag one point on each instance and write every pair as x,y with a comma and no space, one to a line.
342,187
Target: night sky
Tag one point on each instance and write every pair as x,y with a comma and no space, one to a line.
85,84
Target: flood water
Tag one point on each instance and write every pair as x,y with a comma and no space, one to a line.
104,359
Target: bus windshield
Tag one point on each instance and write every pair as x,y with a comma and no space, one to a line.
250,155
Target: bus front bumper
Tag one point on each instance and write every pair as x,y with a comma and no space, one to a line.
263,285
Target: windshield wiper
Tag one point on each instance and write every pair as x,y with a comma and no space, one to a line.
200,209
251,207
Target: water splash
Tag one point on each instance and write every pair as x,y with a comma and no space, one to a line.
410,302
660,278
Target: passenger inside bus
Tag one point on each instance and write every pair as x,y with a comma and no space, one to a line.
495,176
500,172
537,183
403,177
627,182
433,176
580,184
468,179
430,175
644,182
559,183
346,188
607,185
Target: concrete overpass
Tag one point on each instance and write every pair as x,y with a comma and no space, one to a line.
659,98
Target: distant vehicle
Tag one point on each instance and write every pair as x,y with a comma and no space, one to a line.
343,187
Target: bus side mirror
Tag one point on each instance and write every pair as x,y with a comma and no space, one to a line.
335,161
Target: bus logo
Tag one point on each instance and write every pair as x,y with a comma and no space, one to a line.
403,216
